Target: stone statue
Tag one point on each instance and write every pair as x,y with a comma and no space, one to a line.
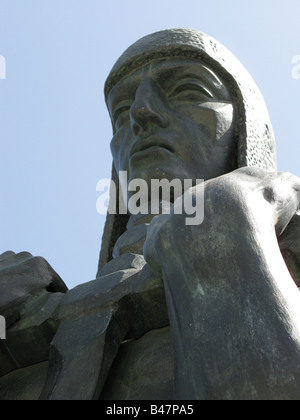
177,311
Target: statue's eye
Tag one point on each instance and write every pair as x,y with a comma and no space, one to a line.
121,115
191,91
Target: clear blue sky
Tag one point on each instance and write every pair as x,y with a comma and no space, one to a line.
55,130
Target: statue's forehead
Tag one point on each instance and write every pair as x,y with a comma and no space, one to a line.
169,70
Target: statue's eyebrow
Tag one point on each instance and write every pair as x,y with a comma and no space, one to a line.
122,91
209,80
192,77
167,77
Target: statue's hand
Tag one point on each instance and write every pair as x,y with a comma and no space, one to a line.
23,278
30,292
250,201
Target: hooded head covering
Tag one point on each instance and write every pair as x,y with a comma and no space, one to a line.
256,143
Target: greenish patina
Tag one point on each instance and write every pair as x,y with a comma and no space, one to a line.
209,311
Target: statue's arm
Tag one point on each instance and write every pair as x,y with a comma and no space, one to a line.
125,302
233,306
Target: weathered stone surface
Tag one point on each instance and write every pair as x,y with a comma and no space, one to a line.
207,311
23,277
289,243
131,241
108,310
126,261
143,369
24,384
30,293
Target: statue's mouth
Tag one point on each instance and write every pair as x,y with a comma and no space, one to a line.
151,144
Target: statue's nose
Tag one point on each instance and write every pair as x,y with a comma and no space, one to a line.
148,110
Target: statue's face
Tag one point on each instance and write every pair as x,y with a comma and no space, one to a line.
173,119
